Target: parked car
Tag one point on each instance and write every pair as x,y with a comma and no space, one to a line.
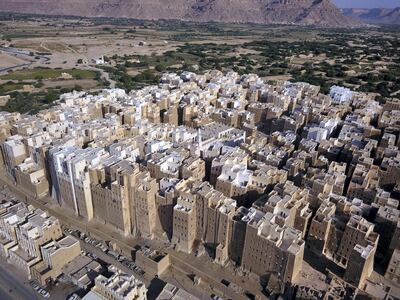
44,293
35,286
94,242
92,256
121,258
73,297
76,233
113,254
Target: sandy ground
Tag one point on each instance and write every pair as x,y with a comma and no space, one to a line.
312,278
301,59
66,52
84,83
7,60
67,45
278,77
133,72
239,51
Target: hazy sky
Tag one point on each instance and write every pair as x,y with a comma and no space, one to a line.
367,3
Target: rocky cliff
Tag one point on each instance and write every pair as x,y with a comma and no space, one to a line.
305,12
375,15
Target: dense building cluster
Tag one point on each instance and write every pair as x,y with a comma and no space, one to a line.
257,174
34,242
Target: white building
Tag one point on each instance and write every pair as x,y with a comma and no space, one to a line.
341,95
119,286
71,184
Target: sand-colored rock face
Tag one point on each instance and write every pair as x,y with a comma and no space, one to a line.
375,15
310,12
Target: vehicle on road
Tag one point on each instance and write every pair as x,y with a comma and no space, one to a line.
121,258
35,286
76,233
73,297
126,263
44,293
92,256
113,254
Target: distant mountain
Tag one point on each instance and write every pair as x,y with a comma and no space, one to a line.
303,12
374,15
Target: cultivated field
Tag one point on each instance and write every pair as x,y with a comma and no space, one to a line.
137,52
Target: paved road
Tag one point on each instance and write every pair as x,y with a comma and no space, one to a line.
112,261
207,271
14,285
64,216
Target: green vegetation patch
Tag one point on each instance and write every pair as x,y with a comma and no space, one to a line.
44,73
10,86
32,103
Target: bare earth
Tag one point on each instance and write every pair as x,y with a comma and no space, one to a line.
7,61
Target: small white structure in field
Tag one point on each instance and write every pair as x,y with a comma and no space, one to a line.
100,61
